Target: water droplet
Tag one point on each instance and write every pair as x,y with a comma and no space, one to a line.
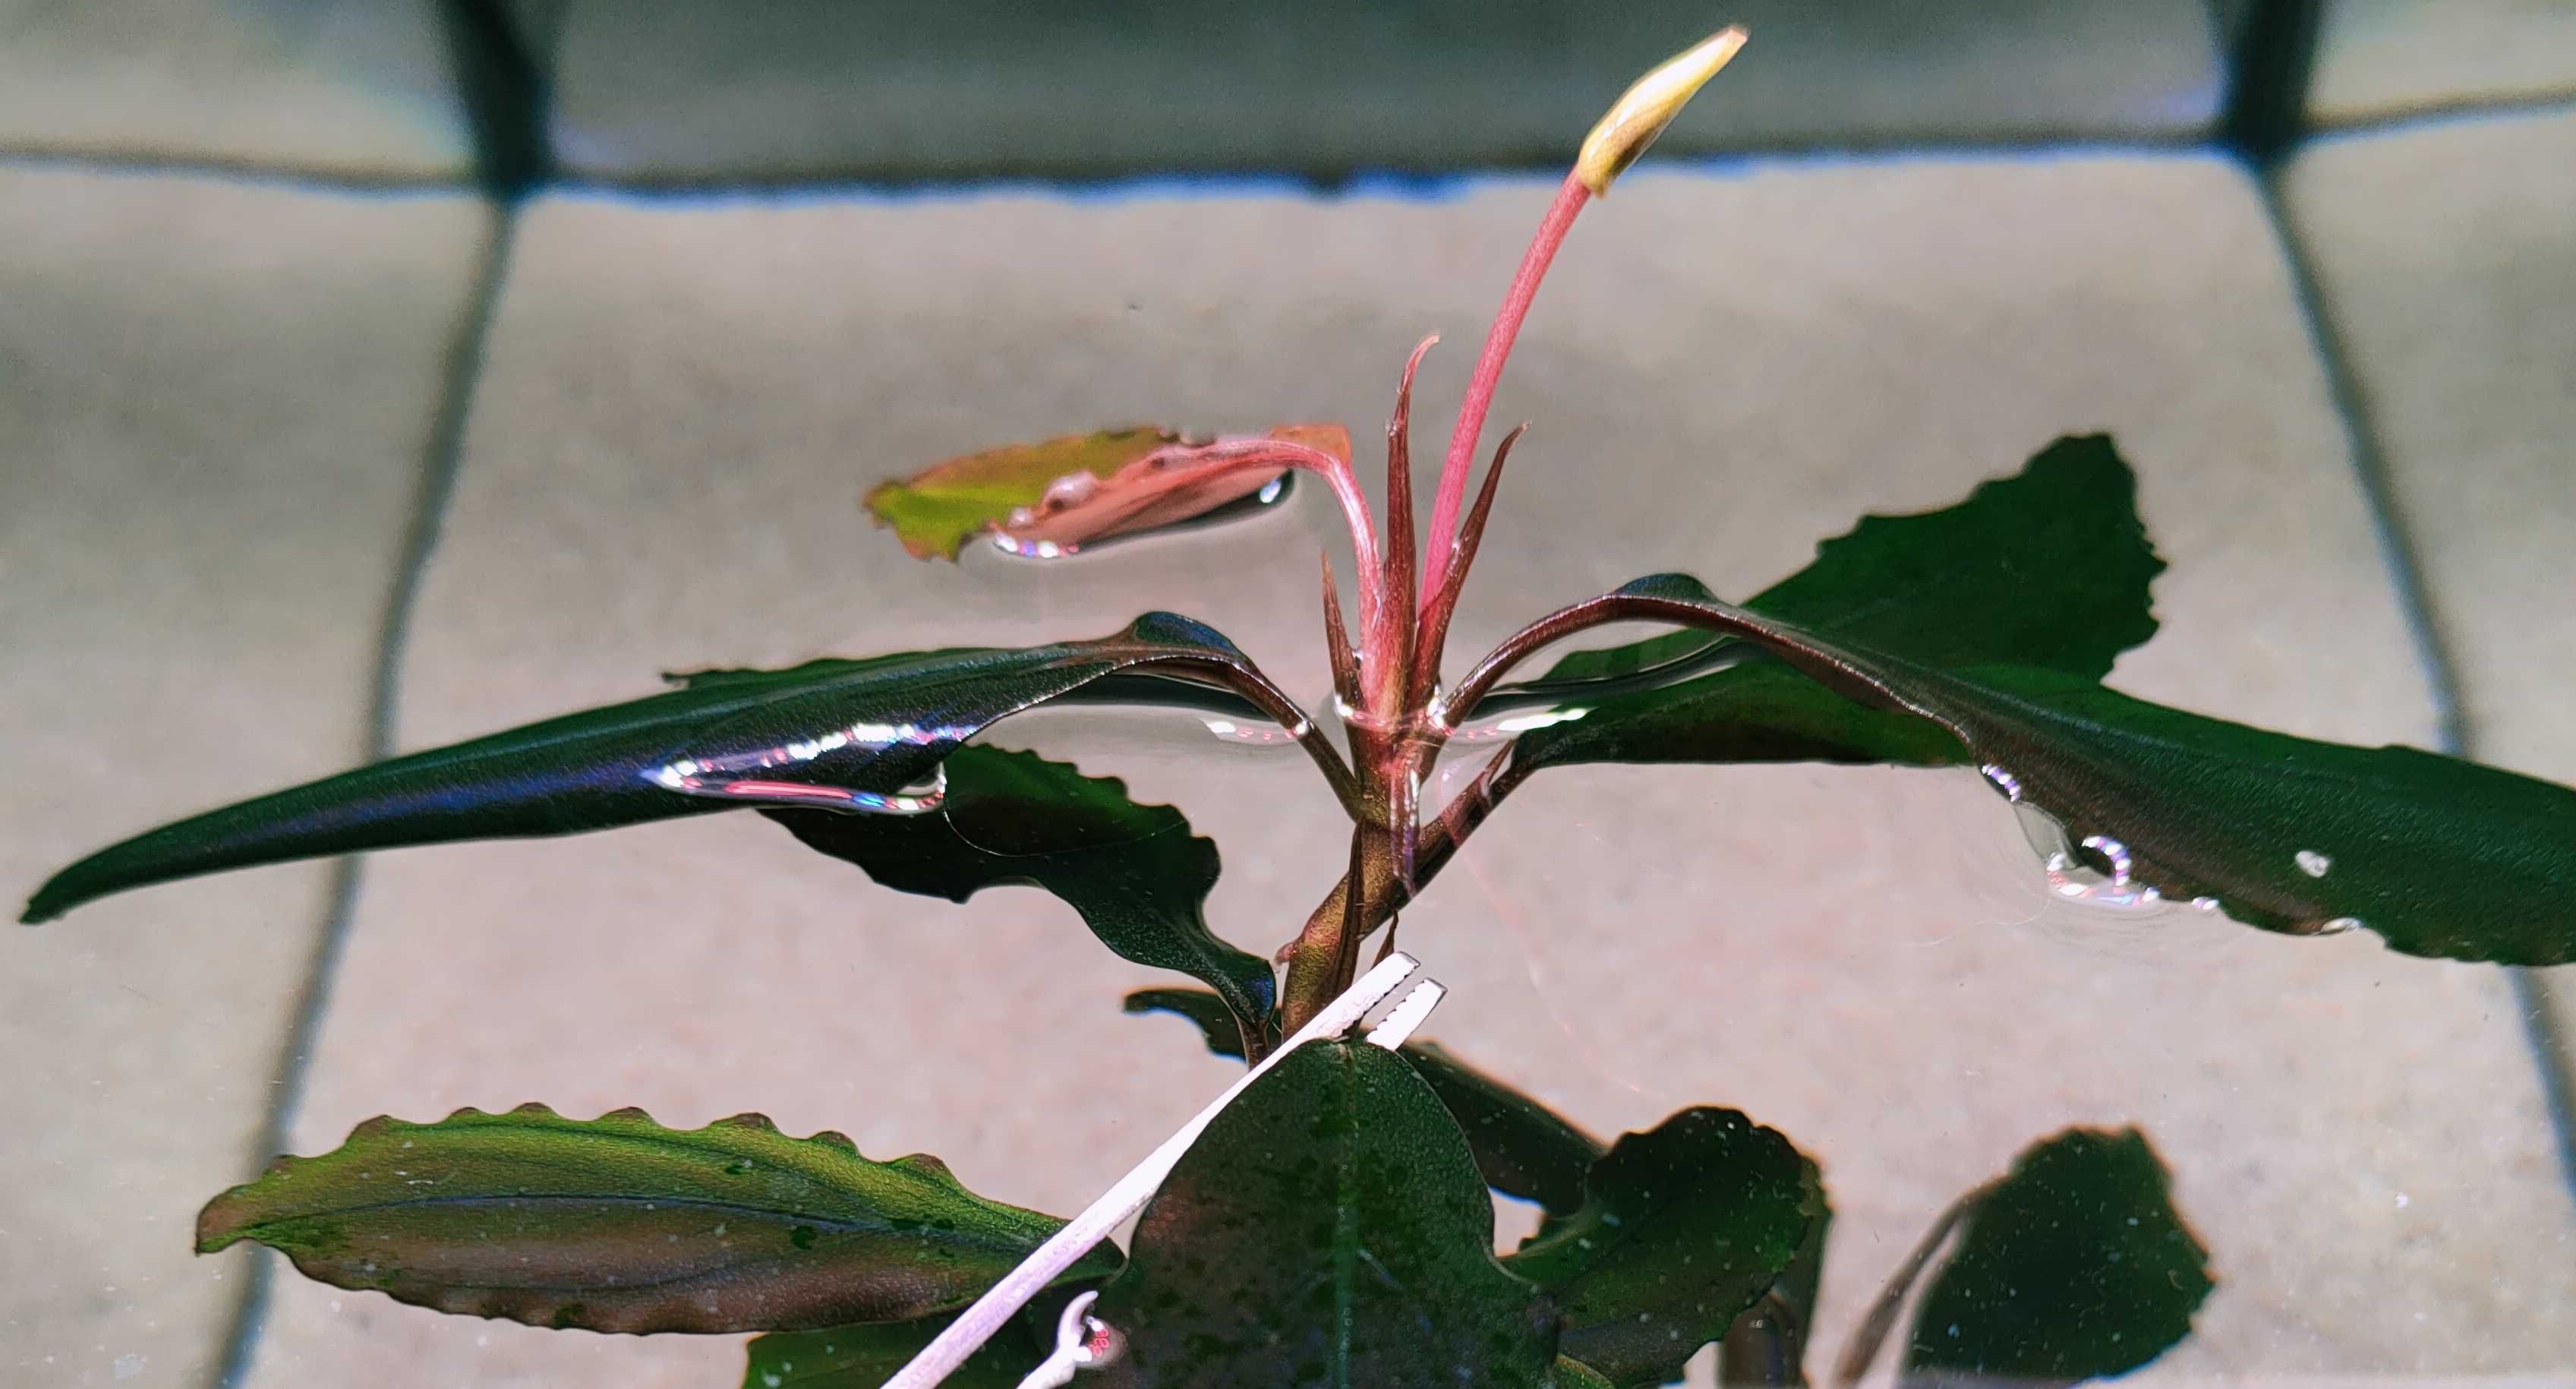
2339,925
2114,851
1010,544
2205,904
1259,735
2313,864
2004,781
2076,878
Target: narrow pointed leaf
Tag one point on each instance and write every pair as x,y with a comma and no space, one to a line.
2049,568
1522,1148
1136,873
834,732
620,1224
2440,857
1686,1227
1328,1228
2075,1266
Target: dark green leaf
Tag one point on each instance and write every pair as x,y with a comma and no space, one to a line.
1328,1228
1685,1227
2047,568
619,1224
2441,857
2074,1266
1523,1148
1137,875
865,1357
1767,1346
1755,711
833,732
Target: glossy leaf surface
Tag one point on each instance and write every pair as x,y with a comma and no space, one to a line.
2440,857
1685,1227
2050,567
1328,1228
1066,492
1136,873
1979,634
620,1224
1522,1148
832,732
2074,1266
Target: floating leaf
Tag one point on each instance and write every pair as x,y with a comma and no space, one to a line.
2074,1266
1523,1148
1056,496
619,1224
849,734
1685,1227
1328,1228
1137,875
2050,567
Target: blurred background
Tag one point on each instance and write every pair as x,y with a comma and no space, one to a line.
374,373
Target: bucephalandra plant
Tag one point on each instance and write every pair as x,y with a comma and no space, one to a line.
1335,1225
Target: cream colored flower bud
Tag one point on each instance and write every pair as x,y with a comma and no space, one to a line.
1646,108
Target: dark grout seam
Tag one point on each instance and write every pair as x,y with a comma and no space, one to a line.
442,455
2548,1035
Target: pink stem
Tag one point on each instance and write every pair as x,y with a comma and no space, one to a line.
1236,455
1489,372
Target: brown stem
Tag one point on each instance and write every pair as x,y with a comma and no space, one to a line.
1862,1348
1341,921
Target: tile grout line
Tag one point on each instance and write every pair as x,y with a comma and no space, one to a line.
442,455
2213,142
2548,1035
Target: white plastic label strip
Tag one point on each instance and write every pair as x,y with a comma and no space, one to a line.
976,1325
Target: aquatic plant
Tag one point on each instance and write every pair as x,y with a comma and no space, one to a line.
1334,1224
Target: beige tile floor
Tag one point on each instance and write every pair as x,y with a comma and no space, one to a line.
2454,294
345,86
213,397
2375,57
683,398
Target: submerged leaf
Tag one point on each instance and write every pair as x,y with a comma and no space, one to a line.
1136,873
865,1357
846,734
2049,567
1685,1227
1056,496
2074,1266
1328,1228
620,1224
1523,1148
